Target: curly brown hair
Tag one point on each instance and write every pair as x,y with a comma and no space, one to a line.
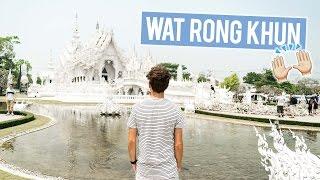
159,78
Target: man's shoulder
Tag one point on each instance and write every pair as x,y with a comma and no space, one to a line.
148,102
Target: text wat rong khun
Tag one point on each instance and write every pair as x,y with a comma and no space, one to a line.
228,31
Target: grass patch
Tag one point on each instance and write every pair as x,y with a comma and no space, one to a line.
8,176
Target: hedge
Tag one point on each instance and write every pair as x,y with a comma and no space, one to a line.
14,122
259,119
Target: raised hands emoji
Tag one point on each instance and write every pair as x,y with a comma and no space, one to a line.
279,70
304,63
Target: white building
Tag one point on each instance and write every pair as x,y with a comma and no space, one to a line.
98,68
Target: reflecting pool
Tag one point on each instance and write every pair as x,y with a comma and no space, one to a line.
84,145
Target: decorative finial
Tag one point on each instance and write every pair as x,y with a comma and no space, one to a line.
97,26
76,27
10,77
76,34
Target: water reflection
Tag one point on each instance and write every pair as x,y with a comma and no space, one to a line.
84,145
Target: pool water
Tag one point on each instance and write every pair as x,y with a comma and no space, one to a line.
85,145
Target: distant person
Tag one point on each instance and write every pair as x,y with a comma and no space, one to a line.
10,99
212,88
311,103
316,103
157,124
281,101
293,103
293,100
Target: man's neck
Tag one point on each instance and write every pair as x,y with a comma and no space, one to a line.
157,95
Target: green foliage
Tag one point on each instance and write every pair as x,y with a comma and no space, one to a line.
186,75
288,87
3,79
260,79
172,68
7,53
16,69
202,78
39,81
8,61
231,82
30,78
252,78
268,89
266,83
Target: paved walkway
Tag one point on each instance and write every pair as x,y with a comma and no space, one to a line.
4,117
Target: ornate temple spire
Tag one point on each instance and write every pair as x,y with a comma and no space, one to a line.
134,52
10,77
97,26
76,28
179,73
76,35
50,63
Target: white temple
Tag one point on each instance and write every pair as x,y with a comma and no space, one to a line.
97,69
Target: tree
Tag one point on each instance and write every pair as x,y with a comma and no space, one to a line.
304,88
266,83
7,53
231,82
268,89
260,79
39,81
172,68
30,78
202,78
267,79
252,78
16,70
288,87
309,82
3,79
8,61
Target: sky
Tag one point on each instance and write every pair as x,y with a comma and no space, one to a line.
45,26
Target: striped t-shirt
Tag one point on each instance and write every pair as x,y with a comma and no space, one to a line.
155,120
10,94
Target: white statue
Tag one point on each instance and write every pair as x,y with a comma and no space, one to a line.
109,108
24,77
284,163
10,77
247,97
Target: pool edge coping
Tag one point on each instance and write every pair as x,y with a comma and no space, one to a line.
21,172
264,122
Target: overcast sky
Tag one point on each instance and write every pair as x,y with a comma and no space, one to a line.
44,25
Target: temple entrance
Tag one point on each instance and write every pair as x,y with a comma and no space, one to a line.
105,74
108,71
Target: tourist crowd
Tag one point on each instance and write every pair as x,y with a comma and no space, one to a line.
311,104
